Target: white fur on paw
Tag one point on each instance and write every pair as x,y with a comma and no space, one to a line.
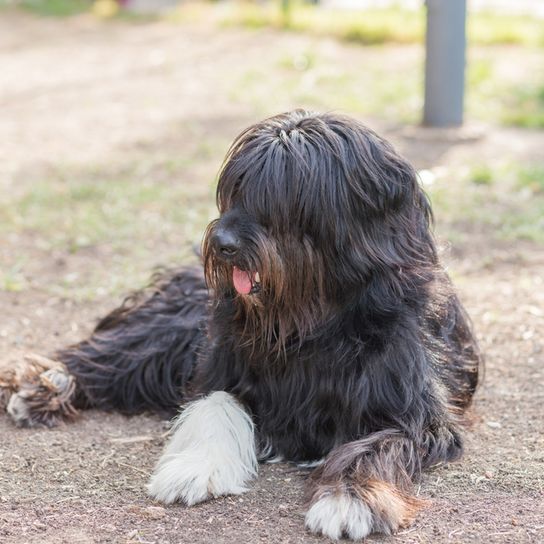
339,514
211,453
17,409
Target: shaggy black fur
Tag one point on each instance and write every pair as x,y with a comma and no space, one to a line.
351,336
141,355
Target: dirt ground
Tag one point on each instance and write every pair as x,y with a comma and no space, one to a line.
85,482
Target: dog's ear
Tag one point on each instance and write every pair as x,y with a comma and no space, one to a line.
381,215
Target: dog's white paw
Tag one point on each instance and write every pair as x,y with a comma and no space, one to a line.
211,453
191,478
339,514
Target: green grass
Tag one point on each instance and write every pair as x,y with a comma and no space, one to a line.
369,26
531,179
12,278
496,29
309,77
80,211
67,8
524,105
387,83
503,201
132,219
52,8
504,84
514,99
481,175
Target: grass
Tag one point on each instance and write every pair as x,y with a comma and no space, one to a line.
503,201
51,8
524,105
500,88
117,216
384,81
12,278
531,178
369,26
313,81
387,83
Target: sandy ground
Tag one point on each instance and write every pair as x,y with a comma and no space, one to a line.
85,482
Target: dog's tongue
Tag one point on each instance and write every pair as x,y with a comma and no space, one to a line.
242,281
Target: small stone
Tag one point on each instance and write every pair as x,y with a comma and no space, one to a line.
494,424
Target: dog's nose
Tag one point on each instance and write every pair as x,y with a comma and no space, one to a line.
226,243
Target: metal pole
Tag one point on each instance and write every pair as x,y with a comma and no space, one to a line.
444,63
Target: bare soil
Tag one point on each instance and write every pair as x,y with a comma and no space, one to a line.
85,482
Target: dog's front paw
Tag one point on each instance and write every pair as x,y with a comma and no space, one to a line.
190,477
211,453
339,514
357,511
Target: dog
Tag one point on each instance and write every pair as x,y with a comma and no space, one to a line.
320,329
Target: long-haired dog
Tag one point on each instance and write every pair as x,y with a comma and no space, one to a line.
323,332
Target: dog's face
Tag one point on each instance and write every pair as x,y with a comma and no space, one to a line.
311,206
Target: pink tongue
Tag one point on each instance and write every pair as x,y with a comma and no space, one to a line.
242,281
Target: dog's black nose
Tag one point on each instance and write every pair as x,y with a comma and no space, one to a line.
226,243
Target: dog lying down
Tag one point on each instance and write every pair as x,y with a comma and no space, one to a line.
321,330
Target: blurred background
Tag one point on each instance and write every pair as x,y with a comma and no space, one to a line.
114,120
115,117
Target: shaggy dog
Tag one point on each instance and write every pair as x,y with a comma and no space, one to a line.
323,332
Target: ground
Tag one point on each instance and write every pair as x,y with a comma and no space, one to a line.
111,136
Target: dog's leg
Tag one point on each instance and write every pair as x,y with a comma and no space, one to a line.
139,357
211,453
365,486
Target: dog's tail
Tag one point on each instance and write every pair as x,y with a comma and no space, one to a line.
142,354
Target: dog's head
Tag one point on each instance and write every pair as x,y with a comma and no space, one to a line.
312,206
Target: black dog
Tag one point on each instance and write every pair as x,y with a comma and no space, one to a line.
325,333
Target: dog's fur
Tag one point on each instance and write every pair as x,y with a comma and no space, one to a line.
350,352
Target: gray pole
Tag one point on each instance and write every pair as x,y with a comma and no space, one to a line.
444,63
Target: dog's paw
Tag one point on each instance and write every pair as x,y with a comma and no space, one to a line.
190,478
211,453
376,507
21,369
8,384
339,514
44,399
